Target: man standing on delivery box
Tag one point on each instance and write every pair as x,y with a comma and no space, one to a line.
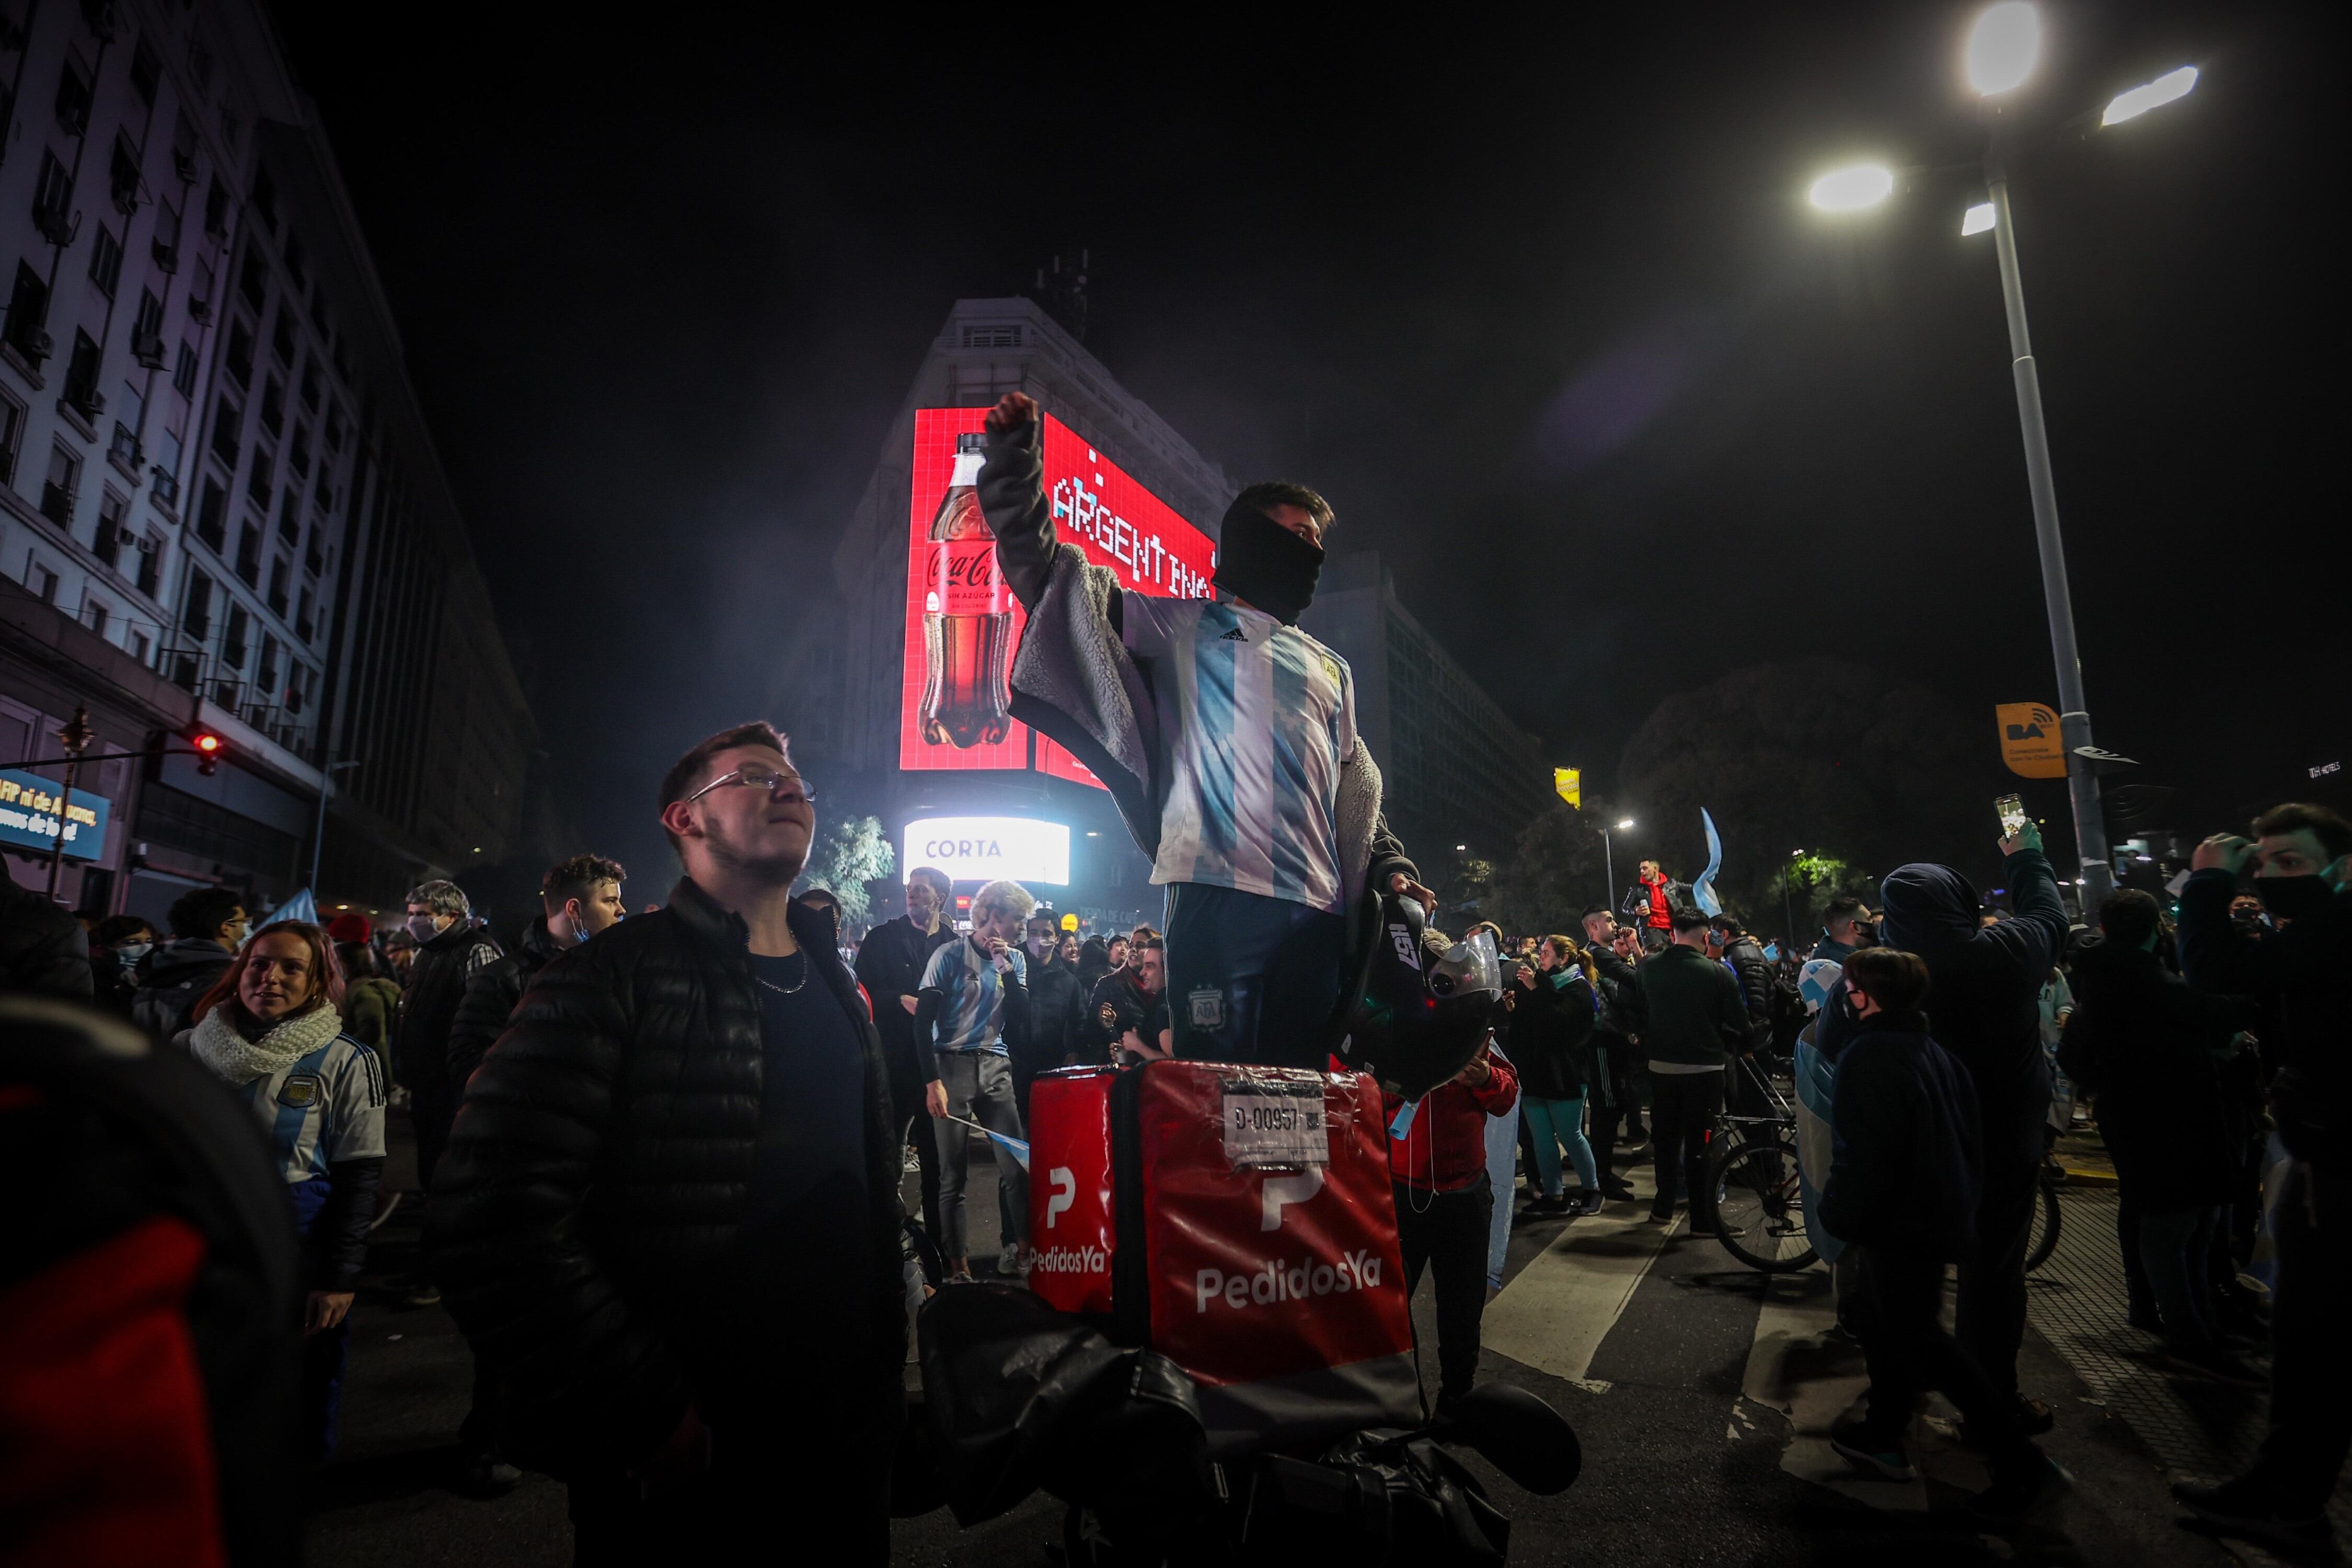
1227,738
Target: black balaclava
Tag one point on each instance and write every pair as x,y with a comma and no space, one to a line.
1263,562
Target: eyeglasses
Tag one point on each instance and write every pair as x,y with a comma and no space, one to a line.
758,777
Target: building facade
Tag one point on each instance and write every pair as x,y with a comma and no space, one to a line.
1454,766
220,510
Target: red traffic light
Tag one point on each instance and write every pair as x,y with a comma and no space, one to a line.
209,752
208,744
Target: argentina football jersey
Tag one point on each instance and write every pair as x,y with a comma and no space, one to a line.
1260,718
324,1108
972,996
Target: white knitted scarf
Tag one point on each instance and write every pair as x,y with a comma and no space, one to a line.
237,1060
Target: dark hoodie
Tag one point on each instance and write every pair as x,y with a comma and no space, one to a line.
178,975
1984,983
2152,1050
1903,1175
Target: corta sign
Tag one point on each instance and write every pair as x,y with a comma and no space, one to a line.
982,848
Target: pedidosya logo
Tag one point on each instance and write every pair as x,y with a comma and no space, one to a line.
1279,1280
1070,1260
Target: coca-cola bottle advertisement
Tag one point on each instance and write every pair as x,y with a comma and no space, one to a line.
967,619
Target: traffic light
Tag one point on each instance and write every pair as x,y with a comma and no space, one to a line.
209,752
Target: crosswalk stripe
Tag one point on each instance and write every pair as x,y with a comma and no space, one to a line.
1556,1312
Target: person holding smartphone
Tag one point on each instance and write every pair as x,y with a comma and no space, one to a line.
972,1011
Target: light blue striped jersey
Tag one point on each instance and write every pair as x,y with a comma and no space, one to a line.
972,996
327,1107
1257,718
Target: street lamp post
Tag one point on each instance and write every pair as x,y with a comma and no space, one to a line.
1608,862
2003,46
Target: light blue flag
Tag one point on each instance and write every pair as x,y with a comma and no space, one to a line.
1703,890
300,907
1017,1147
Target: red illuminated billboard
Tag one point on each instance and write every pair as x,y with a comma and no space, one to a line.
962,622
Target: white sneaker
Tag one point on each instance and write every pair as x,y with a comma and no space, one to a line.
911,1163
1008,1262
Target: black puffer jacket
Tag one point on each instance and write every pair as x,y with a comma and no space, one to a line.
43,951
428,1006
1621,994
1754,973
489,1000
1550,1039
1057,1012
598,1174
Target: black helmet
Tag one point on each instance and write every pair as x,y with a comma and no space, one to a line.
1419,1021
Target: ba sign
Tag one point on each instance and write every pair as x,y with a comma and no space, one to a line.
982,848
2029,740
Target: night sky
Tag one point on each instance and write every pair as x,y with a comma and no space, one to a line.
1540,308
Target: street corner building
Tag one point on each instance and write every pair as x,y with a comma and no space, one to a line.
220,509
899,688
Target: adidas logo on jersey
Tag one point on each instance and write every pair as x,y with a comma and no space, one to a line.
1236,635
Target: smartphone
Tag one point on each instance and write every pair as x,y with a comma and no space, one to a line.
2012,814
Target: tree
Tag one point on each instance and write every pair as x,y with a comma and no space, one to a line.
1825,758
854,852
1557,870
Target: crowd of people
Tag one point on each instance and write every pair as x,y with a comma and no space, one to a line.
661,1157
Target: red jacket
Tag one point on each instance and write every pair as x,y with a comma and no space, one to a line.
1444,1150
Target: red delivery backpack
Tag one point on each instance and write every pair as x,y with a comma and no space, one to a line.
1239,1221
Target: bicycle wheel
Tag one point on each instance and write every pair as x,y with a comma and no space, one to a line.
2043,1240
1756,1188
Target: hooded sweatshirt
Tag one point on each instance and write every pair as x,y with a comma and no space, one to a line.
1903,1175
1984,988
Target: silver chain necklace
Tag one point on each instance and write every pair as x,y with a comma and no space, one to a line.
794,986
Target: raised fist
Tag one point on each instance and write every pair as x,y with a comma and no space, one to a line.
1012,410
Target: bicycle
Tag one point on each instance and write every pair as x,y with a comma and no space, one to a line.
1753,1173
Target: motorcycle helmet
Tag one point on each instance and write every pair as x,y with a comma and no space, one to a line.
1419,1020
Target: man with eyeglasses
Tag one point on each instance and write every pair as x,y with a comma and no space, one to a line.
669,1218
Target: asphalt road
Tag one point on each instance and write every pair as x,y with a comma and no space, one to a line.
1699,1390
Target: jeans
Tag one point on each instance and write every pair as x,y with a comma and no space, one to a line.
1447,1232
1682,1109
1555,1122
2310,1355
979,1085
1909,1352
1251,979
2174,1247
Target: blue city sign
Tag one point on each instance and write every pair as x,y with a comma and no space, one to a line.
30,808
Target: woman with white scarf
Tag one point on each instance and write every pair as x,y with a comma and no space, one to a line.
271,1031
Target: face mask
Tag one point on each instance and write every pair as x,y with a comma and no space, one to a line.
2295,898
1266,564
131,952
422,928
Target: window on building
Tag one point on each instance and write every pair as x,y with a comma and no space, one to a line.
234,644
183,145
240,352
164,245
266,676
216,209
212,515
139,645
124,448
146,73
150,571
28,314
200,293
53,200
281,571
184,372
199,616
273,405
290,521
253,278
311,558
81,376
265,198
227,420
297,262
319,314
94,613
122,175
108,545
106,261
249,555
334,429
167,453
147,331
43,583
12,434
323,492
263,476
281,333
304,619
73,98
310,384
57,491
298,456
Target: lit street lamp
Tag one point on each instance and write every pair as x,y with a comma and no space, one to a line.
2003,47
1608,862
